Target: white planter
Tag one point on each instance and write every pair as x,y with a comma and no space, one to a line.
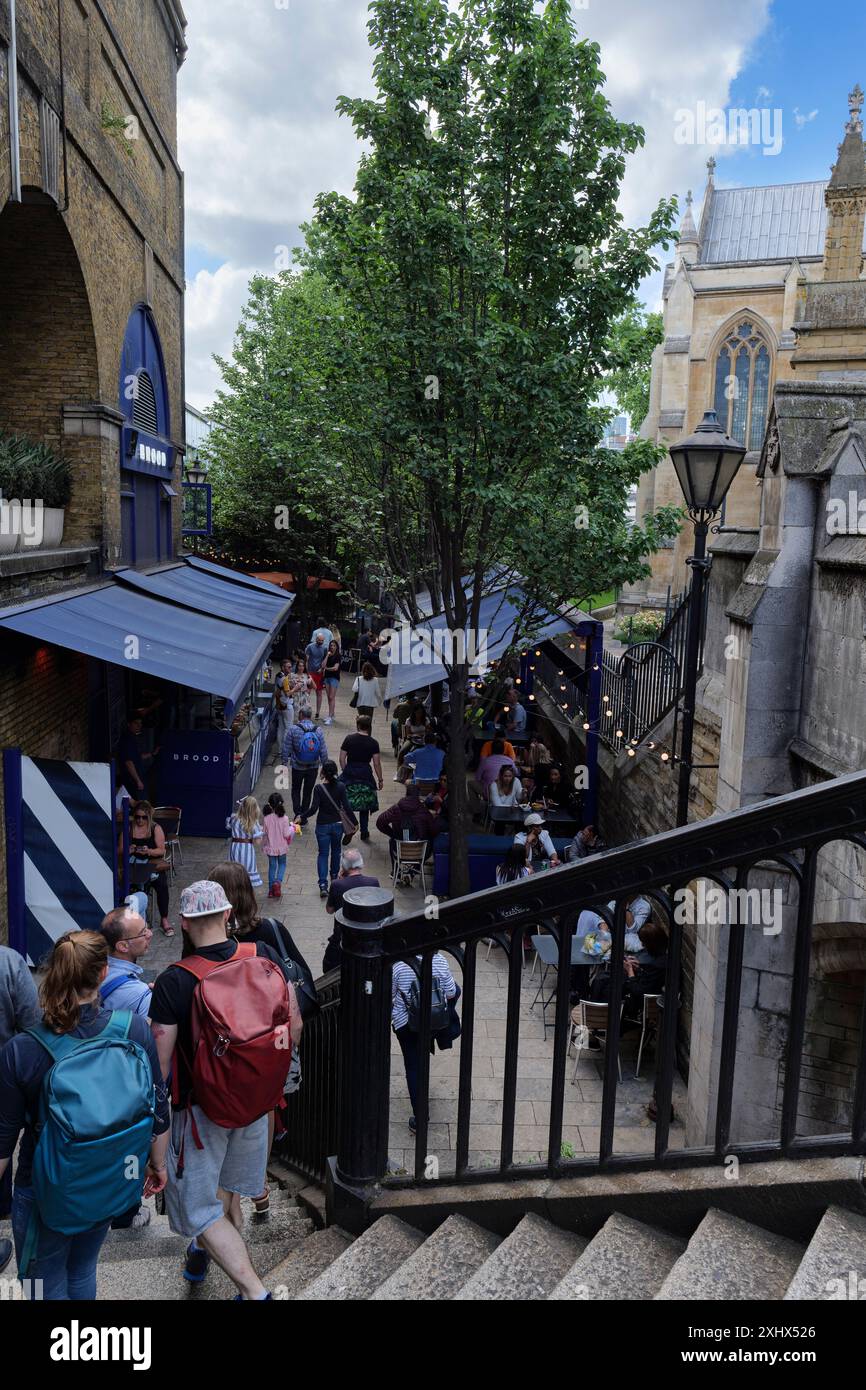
52,527
10,516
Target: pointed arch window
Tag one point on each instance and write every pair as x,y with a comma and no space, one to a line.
742,384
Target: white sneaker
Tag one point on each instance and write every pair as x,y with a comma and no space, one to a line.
329,720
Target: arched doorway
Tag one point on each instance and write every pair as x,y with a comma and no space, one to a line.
48,355
146,451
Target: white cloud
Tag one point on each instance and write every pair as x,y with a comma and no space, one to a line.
259,136
800,119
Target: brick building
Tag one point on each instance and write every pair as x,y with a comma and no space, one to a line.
91,327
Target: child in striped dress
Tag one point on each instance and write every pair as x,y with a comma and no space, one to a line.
245,828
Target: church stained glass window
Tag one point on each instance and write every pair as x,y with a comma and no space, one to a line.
742,385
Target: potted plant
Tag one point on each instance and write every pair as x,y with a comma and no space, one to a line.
52,483
10,494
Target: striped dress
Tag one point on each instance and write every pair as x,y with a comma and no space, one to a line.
244,854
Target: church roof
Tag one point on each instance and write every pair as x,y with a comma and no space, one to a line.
765,224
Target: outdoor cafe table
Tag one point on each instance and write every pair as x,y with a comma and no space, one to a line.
483,736
501,816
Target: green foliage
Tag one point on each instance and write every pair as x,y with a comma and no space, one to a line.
644,626
33,471
633,337
114,124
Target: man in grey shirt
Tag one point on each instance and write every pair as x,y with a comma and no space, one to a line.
19,1009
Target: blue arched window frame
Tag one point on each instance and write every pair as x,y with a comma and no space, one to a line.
146,501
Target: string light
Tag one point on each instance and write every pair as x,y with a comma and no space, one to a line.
586,728
665,757
630,752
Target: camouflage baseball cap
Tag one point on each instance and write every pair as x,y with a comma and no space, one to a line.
203,899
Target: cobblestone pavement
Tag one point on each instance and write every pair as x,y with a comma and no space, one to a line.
304,913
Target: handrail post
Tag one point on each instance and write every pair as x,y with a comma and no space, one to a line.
365,1058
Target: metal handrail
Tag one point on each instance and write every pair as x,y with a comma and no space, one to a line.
785,833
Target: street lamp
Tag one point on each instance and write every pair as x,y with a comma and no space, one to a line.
706,464
195,472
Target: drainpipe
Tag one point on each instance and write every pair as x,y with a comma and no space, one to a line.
12,79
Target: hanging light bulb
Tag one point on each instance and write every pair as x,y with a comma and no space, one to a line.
609,713
619,733
630,752
586,727
650,745
606,698
665,757
532,697
538,652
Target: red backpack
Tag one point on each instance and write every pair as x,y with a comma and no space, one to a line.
241,1043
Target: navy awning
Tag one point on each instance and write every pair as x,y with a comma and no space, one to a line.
204,593
414,662
119,623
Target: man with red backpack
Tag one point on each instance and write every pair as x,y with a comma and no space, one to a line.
224,1020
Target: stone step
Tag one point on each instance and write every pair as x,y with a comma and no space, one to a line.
834,1265
367,1263
283,1222
306,1262
625,1260
442,1265
527,1265
730,1259
159,1278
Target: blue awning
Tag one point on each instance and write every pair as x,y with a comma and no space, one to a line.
416,663
204,593
119,623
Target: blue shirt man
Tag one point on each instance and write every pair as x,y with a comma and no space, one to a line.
128,937
426,762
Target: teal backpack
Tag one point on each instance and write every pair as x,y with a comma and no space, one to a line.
96,1123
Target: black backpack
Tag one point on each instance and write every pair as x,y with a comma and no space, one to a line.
440,1011
298,971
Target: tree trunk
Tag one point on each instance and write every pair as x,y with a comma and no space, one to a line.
458,801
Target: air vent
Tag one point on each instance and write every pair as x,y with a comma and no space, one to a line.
144,405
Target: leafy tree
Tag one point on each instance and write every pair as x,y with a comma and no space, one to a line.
633,337
483,262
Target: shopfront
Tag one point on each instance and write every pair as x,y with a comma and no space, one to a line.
189,644
147,455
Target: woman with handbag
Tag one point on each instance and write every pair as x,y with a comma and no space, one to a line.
147,861
366,691
335,822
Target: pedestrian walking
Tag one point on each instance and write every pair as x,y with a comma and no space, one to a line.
304,751
245,828
19,1010
221,1096
406,1017
148,865
334,820
283,702
316,653
332,668
66,1195
367,691
279,832
361,764
351,876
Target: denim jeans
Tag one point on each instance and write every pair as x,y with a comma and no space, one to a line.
276,869
66,1265
329,839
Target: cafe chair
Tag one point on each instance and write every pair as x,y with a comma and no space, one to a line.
649,1025
168,817
410,858
587,1017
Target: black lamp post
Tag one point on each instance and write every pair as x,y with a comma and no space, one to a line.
706,464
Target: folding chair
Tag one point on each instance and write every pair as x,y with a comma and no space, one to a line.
410,858
649,1025
588,1016
168,817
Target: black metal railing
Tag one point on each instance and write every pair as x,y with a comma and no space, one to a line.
644,682
783,834
312,1112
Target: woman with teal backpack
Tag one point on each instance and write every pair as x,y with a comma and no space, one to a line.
83,1158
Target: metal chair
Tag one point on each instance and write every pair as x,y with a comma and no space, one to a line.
586,1017
410,858
168,817
650,1017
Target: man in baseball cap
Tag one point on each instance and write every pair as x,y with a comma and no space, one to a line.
537,840
219,1165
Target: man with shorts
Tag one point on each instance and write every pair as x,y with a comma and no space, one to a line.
209,1168
316,652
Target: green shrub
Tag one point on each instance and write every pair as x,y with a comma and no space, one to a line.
644,626
33,471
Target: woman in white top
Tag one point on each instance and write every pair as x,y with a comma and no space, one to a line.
366,687
507,790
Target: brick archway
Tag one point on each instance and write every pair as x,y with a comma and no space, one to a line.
48,356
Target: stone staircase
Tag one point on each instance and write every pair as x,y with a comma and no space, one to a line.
726,1258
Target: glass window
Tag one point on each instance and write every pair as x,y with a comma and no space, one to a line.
741,392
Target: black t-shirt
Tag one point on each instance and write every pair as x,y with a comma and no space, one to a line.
339,886
172,1003
359,748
